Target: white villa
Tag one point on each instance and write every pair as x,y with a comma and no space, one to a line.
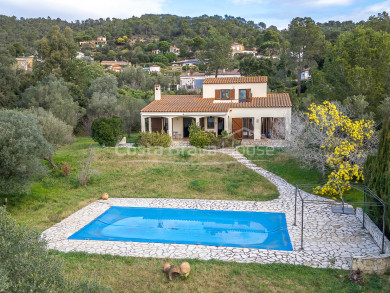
239,105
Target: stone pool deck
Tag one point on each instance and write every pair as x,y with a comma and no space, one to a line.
330,240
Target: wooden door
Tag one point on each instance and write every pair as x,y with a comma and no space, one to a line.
156,124
201,121
237,127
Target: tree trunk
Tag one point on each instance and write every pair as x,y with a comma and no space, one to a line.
299,82
323,170
50,160
216,72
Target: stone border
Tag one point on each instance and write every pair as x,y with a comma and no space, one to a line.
372,264
330,240
373,229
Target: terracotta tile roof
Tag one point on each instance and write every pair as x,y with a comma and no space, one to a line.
271,101
195,103
226,80
185,103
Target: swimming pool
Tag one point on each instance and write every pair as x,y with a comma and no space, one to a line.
189,226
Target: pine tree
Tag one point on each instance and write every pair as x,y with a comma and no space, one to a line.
378,166
377,175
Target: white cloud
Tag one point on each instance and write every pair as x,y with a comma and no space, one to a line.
315,3
363,13
76,9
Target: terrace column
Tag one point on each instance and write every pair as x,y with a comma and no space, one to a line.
150,124
216,125
226,123
197,120
143,123
170,126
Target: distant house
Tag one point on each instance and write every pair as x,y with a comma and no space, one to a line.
238,48
111,63
25,63
154,68
157,51
115,68
306,74
174,49
268,57
99,42
194,80
187,62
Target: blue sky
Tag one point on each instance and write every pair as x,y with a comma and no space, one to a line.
272,12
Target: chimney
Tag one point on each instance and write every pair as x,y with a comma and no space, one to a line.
157,92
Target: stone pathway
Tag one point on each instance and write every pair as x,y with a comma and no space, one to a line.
330,240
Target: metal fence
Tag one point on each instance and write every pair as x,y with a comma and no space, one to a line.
371,205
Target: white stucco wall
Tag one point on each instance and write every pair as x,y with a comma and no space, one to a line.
257,114
257,89
178,126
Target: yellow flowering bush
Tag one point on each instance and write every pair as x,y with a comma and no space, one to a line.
344,145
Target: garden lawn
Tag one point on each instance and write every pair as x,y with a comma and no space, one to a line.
281,163
158,173
171,174
125,274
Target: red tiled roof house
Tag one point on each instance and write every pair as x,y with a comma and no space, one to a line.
238,105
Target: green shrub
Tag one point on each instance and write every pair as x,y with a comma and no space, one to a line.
154,139
27,266
200,138
107,131
226,140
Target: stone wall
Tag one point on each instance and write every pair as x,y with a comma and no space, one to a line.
375,232
372,264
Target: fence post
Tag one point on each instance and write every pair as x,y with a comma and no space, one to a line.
364,204
302,227
383,227
295,212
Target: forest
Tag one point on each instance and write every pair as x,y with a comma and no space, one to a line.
348,63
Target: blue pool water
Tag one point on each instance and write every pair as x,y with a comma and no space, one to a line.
189,226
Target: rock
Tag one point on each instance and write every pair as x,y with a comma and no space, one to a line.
174,272
167,267
185,268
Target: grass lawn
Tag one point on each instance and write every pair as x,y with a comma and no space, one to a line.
171,174
136,173
279,162
125,274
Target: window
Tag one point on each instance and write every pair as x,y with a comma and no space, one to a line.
242,94
247,128
225,94
210,122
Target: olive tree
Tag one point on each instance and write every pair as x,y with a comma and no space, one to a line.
54,130
53,95
27,266
103,96
22,145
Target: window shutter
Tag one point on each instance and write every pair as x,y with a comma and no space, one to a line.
232,94
248,94
217,94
